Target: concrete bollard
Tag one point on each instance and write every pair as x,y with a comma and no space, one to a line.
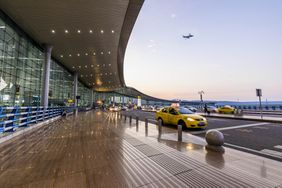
179,127
130,119
215,140
146,127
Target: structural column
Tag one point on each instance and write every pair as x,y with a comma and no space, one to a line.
92,98
75,88
46,76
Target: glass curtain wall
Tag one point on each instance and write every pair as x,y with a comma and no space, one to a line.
20,69
85,95
21,73
60,86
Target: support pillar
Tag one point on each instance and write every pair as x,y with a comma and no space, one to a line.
75,88
46,76
92,98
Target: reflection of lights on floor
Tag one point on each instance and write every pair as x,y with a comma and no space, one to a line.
99,113
189,147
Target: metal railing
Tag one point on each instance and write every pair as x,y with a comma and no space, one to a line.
12,118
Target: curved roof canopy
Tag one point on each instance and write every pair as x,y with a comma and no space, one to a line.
88,36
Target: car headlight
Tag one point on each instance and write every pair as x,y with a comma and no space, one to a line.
190,119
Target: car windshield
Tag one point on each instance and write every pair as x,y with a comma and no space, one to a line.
185,111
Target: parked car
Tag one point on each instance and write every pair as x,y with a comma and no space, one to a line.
193,109
212,109
181,116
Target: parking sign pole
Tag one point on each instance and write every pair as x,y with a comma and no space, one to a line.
259,94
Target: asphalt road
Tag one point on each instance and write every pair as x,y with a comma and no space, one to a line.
260,138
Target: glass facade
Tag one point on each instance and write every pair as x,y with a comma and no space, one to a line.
21,73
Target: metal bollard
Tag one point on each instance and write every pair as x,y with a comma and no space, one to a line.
146,127
137,124
160,129
130,119
179,133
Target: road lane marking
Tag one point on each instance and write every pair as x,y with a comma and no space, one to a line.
245,130
233,127
278,147
263,128
272,152
255,151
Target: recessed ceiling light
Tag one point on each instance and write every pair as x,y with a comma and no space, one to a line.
92,65
78,54
69,55
109,52
104,65
90,31
86,54
73,67
102,53
91,75
78,31
53,31
113,31
85,66
94,53
98,65
66,31
110,64
79,66
102,31
62,56
81,75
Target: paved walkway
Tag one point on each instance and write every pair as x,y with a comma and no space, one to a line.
97,149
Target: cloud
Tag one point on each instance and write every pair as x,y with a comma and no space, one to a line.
173,15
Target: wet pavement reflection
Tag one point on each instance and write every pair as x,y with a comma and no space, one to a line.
98,149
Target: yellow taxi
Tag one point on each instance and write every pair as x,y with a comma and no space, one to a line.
181,116
226,110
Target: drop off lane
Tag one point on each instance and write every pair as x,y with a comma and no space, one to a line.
250,136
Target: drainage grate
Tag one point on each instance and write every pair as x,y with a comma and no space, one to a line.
194,179
134,142
148,150
170,164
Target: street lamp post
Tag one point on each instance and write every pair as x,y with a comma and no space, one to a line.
201,96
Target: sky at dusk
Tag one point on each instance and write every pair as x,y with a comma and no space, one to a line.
236,48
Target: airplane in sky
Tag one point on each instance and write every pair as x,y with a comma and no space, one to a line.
188,36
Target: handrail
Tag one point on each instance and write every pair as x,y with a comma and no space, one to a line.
11,118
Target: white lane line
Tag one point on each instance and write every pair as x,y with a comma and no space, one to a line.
233,127
278,147
255,151
272,152
241,126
